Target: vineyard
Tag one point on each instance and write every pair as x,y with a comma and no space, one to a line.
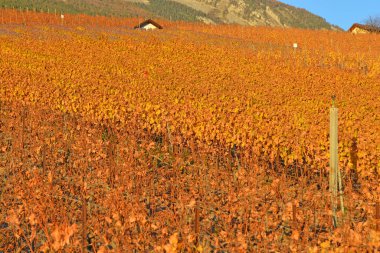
193,138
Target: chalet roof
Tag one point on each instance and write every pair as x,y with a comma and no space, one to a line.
368,28
147,22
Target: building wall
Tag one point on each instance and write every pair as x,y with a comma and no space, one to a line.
149,27
358,30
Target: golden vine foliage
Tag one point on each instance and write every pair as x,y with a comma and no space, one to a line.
152,128
269,101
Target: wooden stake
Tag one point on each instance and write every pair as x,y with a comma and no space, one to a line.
84,208
84,221
196,223
377,216
294,209
334,159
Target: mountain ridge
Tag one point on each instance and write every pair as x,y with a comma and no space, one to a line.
243,12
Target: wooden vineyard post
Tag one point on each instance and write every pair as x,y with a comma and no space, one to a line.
335,183
84,216
294,210
377,216
196,223
84,210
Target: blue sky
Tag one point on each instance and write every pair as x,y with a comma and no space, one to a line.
340,12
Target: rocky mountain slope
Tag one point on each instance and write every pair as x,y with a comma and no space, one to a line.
244,12
258,12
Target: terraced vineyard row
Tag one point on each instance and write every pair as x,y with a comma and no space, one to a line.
265,103
214,123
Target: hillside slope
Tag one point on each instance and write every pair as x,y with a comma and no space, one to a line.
243,12
258,12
